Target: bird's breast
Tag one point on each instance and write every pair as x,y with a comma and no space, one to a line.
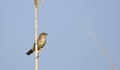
41,42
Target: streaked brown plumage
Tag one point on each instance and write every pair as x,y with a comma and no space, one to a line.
40,43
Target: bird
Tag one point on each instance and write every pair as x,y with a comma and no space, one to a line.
41,41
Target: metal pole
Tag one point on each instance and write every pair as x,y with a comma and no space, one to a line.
36,33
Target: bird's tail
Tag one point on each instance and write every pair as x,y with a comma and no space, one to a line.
29,52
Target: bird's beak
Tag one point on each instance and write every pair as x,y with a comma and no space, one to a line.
46,33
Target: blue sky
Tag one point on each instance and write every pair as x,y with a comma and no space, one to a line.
77,31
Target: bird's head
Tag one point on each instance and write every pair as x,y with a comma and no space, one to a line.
43,35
